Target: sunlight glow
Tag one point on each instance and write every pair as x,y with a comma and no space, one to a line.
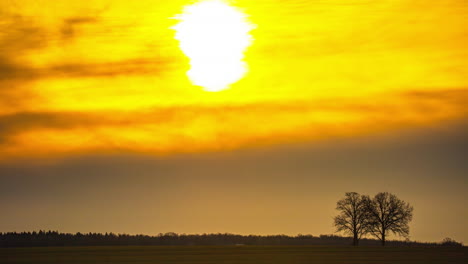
214,35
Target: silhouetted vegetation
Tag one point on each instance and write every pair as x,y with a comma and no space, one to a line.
448,242
352,219
361,215
387,213
54,238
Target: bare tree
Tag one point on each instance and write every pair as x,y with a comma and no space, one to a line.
352,218
386,213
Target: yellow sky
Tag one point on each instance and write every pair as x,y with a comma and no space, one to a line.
109,76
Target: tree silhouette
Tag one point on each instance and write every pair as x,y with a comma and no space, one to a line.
352,218
386,213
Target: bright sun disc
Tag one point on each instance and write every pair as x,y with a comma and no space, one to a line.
214,35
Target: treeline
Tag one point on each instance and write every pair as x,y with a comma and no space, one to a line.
54,238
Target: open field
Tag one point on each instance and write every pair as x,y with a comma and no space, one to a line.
234,255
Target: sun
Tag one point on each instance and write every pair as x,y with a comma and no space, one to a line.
214,36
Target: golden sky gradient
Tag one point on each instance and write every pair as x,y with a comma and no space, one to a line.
101,129
109,76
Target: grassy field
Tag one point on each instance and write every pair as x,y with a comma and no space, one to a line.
234,255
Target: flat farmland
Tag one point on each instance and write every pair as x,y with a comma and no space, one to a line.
235,255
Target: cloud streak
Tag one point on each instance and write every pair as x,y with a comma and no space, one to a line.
198,128
24,38
21,38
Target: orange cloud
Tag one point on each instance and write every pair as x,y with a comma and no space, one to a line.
195,128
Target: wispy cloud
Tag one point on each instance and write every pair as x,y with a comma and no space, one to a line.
198,128
70,25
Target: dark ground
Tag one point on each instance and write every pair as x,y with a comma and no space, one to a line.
235,254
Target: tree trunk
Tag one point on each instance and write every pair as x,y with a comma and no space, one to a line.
355,240
383,239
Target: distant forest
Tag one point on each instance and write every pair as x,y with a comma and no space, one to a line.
54,238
